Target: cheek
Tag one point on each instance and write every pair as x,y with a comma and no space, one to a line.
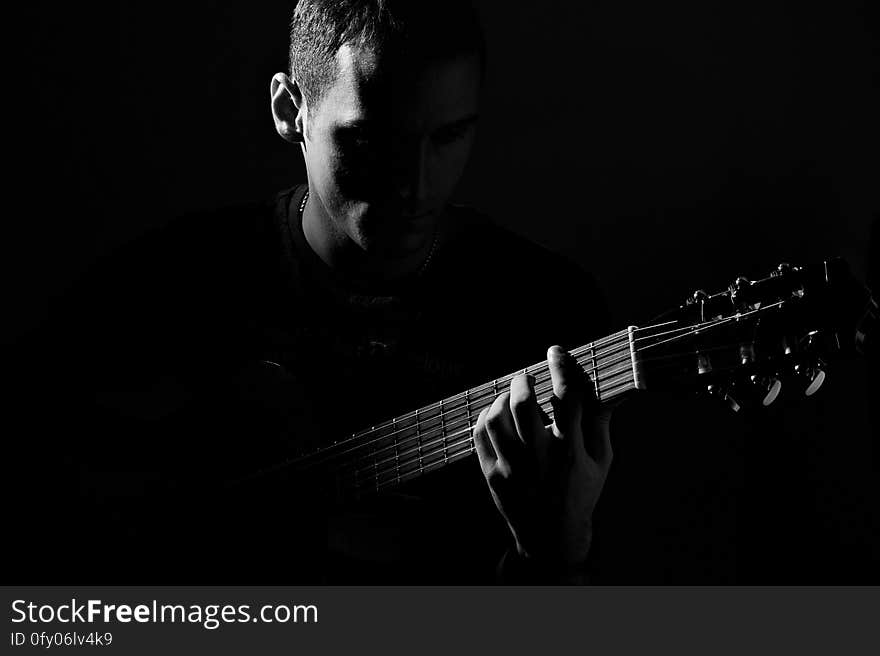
450,163
340,171
356,176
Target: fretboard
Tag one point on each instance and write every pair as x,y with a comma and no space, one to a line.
439,434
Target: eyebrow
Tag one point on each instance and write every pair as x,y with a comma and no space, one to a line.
364,123
462,122
356,124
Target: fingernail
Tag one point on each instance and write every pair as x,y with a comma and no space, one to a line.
556,352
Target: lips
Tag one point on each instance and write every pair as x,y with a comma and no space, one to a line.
417,217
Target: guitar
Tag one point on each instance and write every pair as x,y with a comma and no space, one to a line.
743,345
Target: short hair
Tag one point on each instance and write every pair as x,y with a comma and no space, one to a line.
431,30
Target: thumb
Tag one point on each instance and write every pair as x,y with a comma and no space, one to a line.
568,392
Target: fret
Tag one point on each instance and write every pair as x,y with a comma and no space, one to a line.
595,375
375,468
429,468
632,352
396,448
419,436
443,429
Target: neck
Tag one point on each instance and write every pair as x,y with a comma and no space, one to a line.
439,434
345,256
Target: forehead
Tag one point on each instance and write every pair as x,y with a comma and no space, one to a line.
411,97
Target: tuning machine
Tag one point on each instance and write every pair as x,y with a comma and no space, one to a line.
783,269
723,393
811,376
768,388
739,294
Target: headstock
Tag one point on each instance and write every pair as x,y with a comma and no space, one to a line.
749,342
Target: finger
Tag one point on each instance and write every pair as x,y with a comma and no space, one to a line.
525,409
483,446
502,430
568,388
545,418
596,427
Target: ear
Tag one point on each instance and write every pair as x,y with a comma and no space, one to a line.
288,108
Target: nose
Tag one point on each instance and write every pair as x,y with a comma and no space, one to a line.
412,172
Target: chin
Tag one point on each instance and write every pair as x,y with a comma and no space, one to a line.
397,244
395,229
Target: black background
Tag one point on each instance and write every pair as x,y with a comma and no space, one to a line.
663,146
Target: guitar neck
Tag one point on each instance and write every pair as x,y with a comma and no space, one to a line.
436,435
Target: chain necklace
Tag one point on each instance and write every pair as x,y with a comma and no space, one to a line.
422,269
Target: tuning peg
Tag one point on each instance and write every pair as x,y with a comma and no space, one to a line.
747,353
781,270
813,377
817,377
741,283
704,364
738,292
723,394
769,388
787,346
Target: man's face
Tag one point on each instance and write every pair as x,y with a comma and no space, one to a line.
385,148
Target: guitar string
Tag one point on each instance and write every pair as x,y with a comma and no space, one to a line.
443,444
623,350
692,327
334,486
541,367
616,337
428,457
667,332
370,474
452,420
544,367
451,458
373,470
421,415
326,455
402,447
417,444
718,322
425,440
421,449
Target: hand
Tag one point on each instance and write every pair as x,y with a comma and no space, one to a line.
546,480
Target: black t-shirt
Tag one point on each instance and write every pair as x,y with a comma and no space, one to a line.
162,359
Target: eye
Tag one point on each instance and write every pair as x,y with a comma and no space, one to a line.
446,136
356,140
357,146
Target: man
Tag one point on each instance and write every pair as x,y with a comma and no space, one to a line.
385,116
230,341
